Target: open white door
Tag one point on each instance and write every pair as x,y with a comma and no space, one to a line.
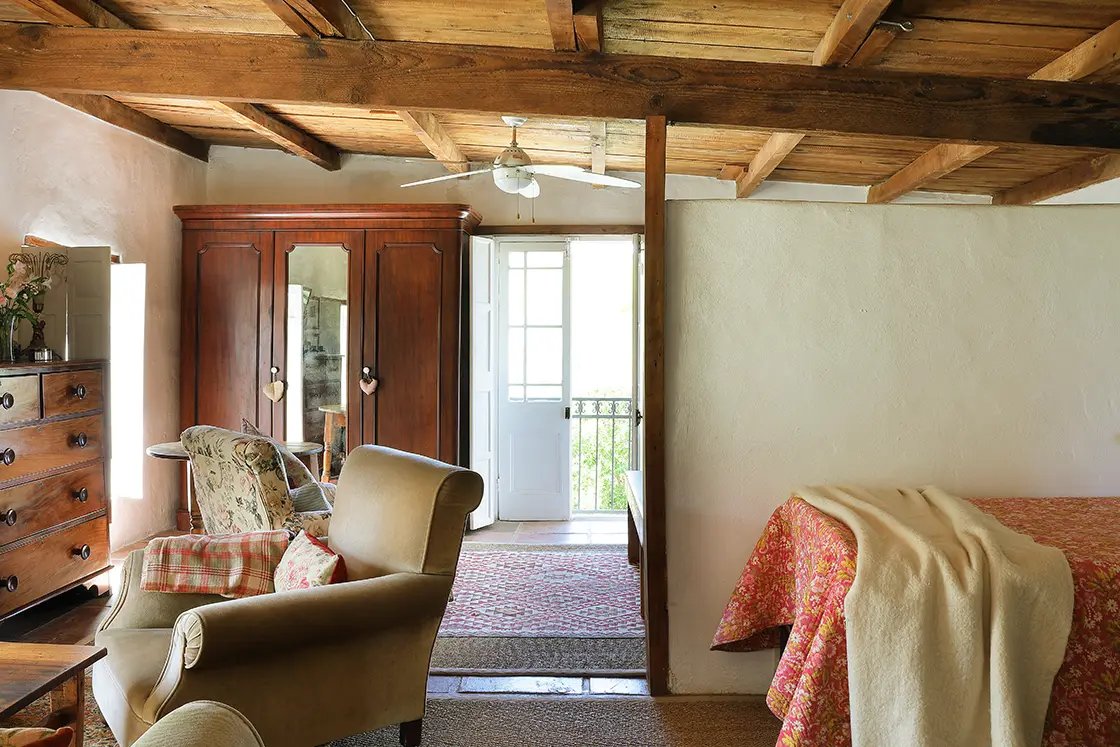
534,462
87,302
484,363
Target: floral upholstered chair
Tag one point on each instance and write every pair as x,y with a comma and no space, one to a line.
241,485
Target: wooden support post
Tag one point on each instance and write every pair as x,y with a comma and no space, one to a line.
654,567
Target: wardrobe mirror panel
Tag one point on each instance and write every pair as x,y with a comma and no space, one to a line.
316,347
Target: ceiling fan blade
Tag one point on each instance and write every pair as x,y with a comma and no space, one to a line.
530,190
463,175
576,174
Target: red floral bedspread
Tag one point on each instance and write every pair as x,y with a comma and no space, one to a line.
804,564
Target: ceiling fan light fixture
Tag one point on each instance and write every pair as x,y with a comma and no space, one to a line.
514,180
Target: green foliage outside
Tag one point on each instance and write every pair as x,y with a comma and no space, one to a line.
600,457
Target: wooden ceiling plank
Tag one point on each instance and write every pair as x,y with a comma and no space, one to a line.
1075,177
848,30
928,167
427,127
287,137
588,23
127,118
407,76
1102,50
765,161
292,19
73,13
561,23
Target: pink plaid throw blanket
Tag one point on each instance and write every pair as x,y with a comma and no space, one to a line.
234,565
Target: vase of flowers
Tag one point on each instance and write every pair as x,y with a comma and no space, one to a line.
17,302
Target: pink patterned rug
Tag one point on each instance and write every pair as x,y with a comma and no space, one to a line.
560,593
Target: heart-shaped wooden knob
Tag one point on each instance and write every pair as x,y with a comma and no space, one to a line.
274,390
369,386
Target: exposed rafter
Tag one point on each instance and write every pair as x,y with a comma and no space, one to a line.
1077,176
1092,55
426,127
561,23
768,158
319,18
848,30
928,167
85,13
127,118
588,21
407,76
295,141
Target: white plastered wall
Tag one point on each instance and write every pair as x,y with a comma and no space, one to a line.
970,347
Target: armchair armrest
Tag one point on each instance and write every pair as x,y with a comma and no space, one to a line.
135,608
235,630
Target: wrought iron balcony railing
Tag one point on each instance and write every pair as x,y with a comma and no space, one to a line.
602,437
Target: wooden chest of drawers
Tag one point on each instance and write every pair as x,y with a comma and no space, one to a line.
54,504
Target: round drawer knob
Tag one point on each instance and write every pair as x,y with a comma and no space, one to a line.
81,495
7,401
10,517
80,440
80,391
8,456
9,583
82,552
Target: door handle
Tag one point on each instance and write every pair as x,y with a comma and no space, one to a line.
567,413
637,417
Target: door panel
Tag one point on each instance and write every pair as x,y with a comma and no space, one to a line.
534,385
484,361
316,269
227,328
411,342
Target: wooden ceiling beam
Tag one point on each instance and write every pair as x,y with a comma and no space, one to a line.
575,25
320,18
1096,53
1077,176
426,127
127,118
848,30
407,76
72,13
295,141
769,156
928,167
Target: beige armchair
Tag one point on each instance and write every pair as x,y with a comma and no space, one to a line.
202,723
313,665
241,484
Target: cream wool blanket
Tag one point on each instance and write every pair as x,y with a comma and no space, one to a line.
956,625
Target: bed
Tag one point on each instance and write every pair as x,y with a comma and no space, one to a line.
791,595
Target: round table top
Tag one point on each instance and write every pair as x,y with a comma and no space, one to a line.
175,450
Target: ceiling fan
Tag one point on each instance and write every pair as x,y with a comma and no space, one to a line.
515,173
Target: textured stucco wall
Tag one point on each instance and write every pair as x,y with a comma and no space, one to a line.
970,347
75,180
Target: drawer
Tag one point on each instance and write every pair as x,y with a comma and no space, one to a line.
70,392
19,398
37,448
52,561
35,506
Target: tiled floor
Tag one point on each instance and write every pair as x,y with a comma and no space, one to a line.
520,685
583,530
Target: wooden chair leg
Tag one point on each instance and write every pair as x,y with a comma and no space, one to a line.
410,733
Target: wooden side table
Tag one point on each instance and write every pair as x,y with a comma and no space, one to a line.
30,670
336,418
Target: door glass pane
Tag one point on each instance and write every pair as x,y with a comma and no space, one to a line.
549,392
544,355
545,259
545,296
316,343
517,355
516,296
517,259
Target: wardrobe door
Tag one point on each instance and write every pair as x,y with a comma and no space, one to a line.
318,301
227,328
411,342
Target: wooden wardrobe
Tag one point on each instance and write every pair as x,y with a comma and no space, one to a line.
406,301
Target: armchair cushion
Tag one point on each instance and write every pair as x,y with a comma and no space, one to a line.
235,565
308,562
295,471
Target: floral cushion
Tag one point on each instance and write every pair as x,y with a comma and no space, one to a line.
36,737
308,562
295,470
239,480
